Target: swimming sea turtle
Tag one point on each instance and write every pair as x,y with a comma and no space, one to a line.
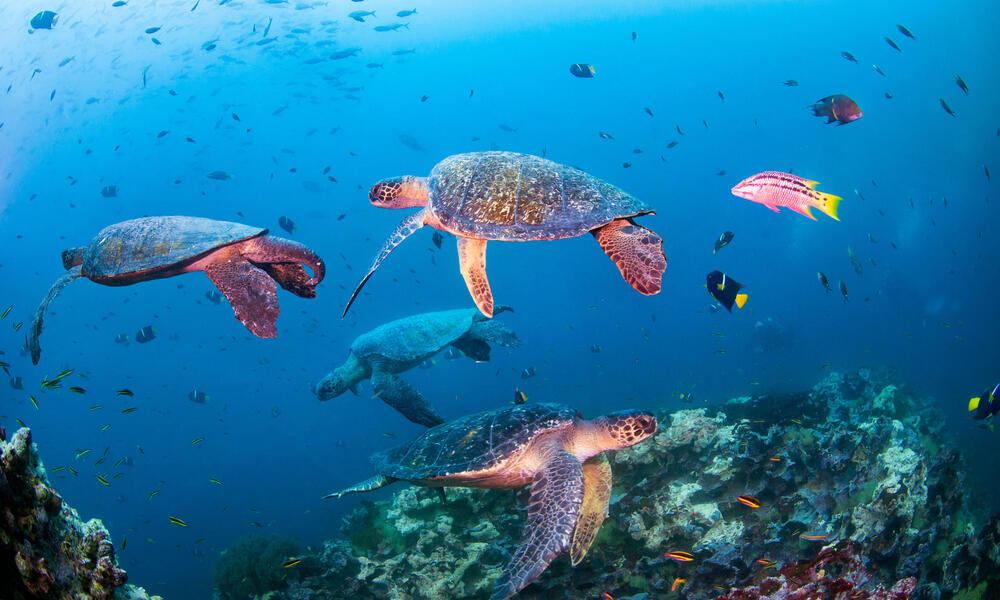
508,197
400,345
548,446
243,262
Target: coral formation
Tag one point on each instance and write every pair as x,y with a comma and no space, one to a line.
253,565
837,571
857,472
46,550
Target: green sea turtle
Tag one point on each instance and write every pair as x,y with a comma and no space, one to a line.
508,197
242,261
398,346
547,446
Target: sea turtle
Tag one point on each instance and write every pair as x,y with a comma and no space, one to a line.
548,446
509,197
242,261
390,349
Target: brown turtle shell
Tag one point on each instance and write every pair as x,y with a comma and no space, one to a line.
150,244
473,443
507,196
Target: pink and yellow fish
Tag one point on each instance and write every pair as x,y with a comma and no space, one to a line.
774,189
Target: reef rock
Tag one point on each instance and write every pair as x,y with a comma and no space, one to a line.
46,550
856,480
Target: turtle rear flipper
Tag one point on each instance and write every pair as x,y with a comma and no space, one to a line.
372,483
403,397
250,291
556,496
72,275
495,331
637,251
593,511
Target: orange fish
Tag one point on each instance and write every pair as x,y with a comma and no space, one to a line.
748,501
813,538
677,583
774,189
680,556
607,596
766,562
775,459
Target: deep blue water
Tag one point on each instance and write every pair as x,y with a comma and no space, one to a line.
928,308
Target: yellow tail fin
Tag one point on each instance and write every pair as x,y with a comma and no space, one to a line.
973,403
741,299
828,203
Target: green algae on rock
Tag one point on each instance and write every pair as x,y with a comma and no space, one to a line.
46,550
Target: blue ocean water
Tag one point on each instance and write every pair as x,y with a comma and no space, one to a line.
86,102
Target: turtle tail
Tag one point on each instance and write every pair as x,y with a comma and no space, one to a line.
35,331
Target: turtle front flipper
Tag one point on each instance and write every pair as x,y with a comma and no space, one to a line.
637,251
292,277
35,331
283,260
556,496
472,263
250,291
405,228
372,483
593,511
403,397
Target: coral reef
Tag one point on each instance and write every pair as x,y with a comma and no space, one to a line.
857,472
253,565
46,550
835,572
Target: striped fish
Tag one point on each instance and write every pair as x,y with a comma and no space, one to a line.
774,189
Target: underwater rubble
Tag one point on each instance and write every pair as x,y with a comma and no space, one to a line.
46,550
856,479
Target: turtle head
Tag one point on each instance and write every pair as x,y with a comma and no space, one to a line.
343,378
399,192
623,429
73,257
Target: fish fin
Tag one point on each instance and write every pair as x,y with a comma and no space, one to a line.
773,207
741,299
472,264
973,403
637,251
250,291
828,203
804,210
594,509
